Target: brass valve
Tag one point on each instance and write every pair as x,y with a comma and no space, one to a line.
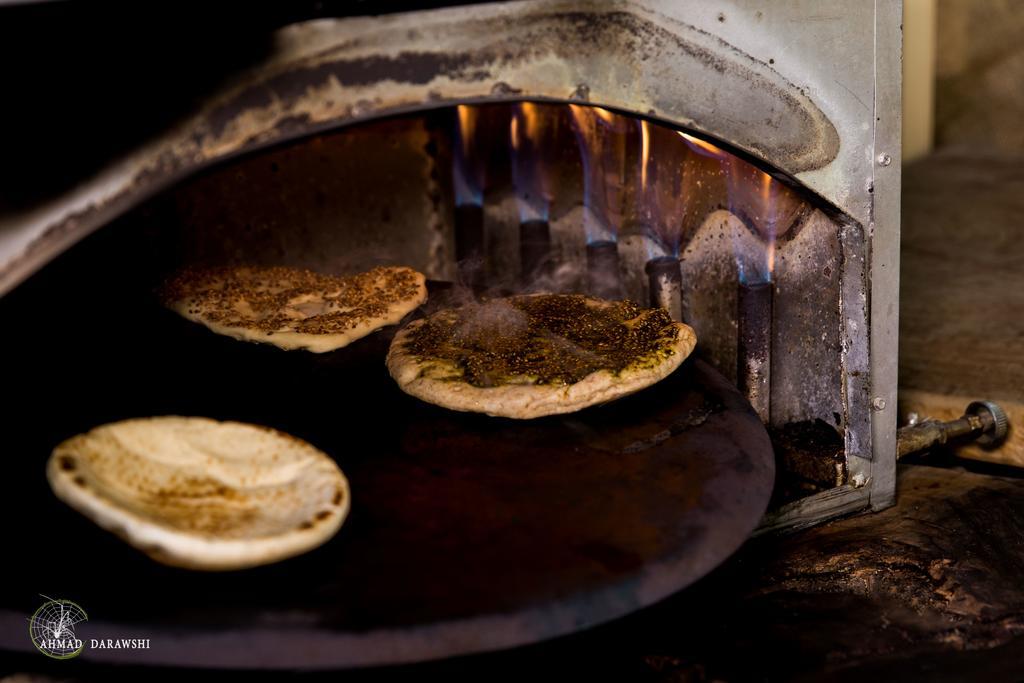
983,422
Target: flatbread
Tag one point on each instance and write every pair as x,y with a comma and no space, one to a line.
528,356
292,308
196,493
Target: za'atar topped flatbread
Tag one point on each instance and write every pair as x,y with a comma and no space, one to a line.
534,355
292,308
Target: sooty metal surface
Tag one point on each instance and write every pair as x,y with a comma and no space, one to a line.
466,534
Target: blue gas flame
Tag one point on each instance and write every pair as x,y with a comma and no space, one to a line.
531,133
468,168
602,138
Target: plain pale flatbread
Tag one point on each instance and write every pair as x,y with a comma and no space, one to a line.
196,493
292,308
495,330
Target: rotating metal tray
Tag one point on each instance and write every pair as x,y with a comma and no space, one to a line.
466,534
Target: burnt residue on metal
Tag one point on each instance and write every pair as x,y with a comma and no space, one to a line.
807,352
439,190
754,320
856,351
809,457
571,37
162,170
643,41
415,68
294,124
409,67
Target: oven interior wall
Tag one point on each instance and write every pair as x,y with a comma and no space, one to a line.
334,203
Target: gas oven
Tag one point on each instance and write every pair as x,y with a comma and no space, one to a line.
736,162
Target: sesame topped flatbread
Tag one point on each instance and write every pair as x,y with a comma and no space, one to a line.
292,308
201,494
543,354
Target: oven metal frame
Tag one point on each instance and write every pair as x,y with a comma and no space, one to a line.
811,88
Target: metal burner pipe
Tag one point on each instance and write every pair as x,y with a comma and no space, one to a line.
984,422
665,279
603,270
469,243
755,304
534,250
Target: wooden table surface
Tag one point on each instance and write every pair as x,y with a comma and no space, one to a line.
962,288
